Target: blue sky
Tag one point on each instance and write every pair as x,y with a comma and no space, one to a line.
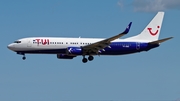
152,75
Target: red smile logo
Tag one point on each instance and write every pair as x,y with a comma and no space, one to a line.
150,31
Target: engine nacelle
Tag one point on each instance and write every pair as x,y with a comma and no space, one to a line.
74,50
64,56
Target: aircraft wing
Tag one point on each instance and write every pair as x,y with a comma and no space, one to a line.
96,47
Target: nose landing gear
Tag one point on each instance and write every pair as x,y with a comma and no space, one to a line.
24,57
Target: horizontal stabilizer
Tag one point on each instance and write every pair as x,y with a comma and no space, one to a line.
160,41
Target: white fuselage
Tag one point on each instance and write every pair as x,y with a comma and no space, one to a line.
56,43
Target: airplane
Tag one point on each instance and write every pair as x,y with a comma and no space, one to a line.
69,48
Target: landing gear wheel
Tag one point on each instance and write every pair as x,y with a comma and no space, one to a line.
24,58
90,58
84,60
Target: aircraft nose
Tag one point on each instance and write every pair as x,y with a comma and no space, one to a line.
10,46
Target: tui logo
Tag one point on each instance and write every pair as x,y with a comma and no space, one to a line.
153,33
42,41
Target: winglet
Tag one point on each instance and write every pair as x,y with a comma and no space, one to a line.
127,28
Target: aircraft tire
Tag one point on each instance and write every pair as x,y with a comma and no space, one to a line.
84,60
90,58
24,58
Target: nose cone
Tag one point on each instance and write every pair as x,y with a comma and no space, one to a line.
10,46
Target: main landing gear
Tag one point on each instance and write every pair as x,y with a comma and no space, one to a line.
90,58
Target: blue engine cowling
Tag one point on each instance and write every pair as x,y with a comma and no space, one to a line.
64,56
74,50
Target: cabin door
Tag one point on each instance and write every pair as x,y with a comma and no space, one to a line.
138,46
29,44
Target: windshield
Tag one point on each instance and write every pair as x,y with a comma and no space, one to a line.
17,41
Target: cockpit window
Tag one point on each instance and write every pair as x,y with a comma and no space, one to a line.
17,41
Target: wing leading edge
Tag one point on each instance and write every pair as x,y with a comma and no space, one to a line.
96,47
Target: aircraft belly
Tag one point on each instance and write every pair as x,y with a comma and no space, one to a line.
118,51
124,49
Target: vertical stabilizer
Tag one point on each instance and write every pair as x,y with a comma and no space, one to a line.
152,30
